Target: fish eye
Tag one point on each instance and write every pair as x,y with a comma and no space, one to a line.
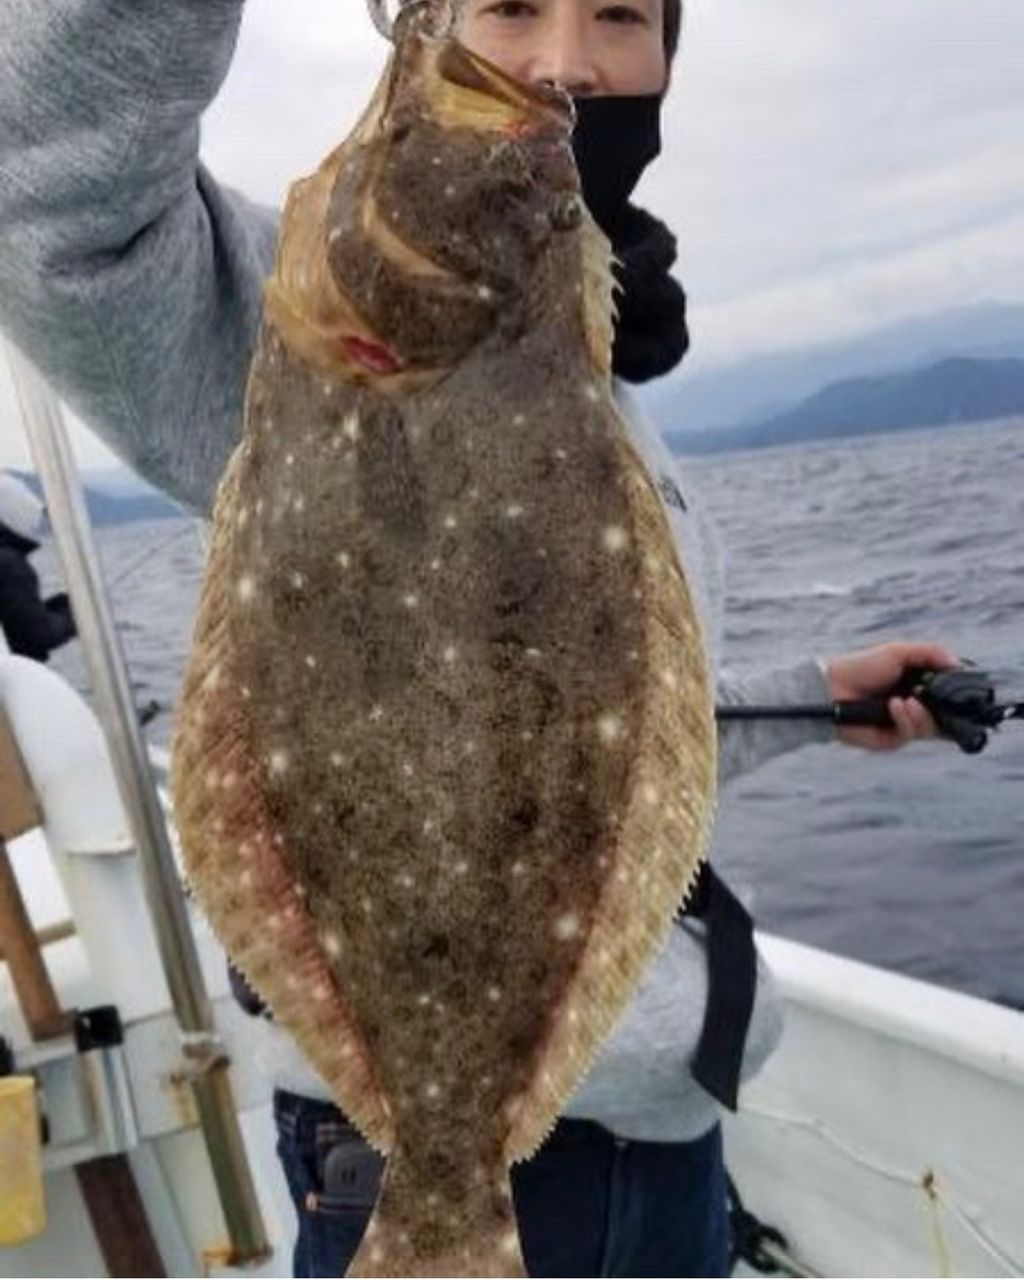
567,212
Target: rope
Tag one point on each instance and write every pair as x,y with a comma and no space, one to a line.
927,1183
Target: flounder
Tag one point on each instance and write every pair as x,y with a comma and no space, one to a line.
445,757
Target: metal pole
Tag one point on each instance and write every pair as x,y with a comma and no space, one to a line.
54,460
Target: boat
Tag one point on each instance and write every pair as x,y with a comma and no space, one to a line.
883,1138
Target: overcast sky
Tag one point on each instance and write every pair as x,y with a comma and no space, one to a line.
828,167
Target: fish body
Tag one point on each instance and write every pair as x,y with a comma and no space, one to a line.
444,764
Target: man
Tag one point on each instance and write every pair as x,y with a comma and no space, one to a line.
32,627
135,282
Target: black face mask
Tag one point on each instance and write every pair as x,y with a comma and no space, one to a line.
615,139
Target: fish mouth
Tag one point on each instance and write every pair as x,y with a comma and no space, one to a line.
461,89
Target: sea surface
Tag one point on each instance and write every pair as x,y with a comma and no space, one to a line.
912,860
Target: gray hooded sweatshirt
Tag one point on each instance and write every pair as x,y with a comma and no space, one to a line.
133,280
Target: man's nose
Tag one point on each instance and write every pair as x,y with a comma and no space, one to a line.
565,56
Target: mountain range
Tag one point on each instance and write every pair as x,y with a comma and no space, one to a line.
760,387
950,392
116,496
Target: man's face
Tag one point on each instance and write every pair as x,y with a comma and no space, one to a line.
588,47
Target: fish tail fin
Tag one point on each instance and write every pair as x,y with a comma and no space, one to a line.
427,1224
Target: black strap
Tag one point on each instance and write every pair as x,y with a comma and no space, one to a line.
732,979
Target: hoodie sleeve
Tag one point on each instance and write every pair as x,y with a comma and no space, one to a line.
127,274
745,745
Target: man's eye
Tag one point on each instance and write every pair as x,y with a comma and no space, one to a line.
622,13
511,9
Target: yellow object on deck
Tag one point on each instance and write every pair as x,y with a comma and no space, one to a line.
22,1208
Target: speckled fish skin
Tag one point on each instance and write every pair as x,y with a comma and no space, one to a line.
445,757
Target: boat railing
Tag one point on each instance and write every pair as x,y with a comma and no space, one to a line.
205,1067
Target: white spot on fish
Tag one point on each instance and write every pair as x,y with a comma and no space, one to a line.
299,504
513,511
242,519
527,735
484,292
567,926
310,661
423,1000
407,768
278,761
450,522
592,393
449,190
321,991
461,867
561,455
246,588
450,653
669,679
435,565
494,994
376,714
337,759
351,426
519,420
405,880
609,727
519,868
343,558
297,579
650,793
614,538
367,905
212,778
533,653
411,601
428,826
289,459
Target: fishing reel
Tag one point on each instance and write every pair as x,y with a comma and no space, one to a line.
962,702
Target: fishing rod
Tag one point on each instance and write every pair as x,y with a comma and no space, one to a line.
962,702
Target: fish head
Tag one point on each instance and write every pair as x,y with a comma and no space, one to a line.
445,215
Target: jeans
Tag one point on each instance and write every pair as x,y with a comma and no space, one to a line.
588,1204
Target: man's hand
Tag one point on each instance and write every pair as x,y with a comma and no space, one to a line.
871,673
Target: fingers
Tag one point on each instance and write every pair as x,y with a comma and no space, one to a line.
911,720
936,656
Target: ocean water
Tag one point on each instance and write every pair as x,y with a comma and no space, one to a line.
912,860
